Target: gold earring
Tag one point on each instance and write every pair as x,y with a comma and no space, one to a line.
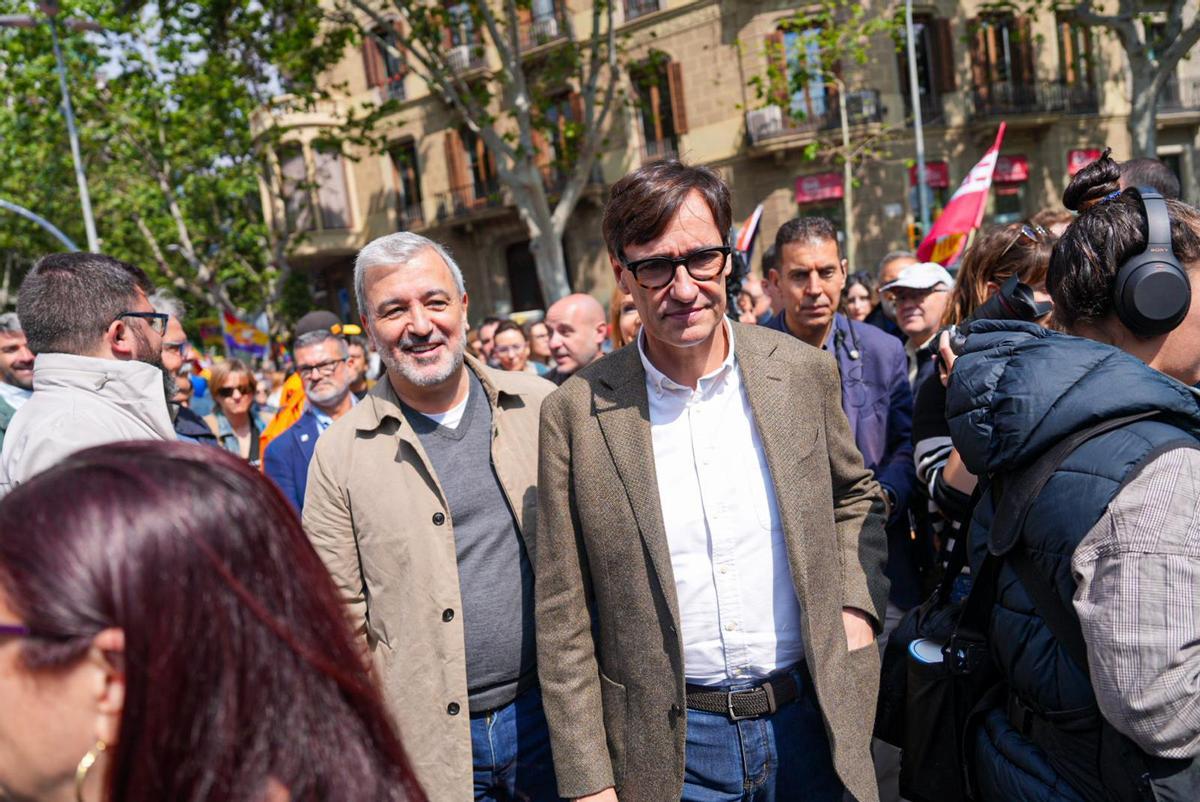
85,765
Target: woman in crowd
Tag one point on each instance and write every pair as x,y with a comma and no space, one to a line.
539,344
168,633
945,486
1103,705
234,418
510,347
860,296
623,320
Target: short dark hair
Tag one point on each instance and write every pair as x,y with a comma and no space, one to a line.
510,325
643,203
68,300
1151,173
807,229
1111,227
770,259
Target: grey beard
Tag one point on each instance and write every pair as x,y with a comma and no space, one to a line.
421,379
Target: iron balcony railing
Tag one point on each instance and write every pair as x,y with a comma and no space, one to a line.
461,201
639,8
862,107
541,31
1006,97
1179,96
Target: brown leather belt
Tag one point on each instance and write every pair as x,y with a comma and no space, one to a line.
747,704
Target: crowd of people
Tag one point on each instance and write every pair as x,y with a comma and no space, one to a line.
660,551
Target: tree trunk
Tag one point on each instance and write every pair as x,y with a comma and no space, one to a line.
551,264
1143,115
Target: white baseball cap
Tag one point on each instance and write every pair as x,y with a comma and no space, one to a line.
921,276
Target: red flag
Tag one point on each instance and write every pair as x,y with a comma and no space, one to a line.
963,213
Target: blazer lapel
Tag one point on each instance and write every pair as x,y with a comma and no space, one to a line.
785,426
623,412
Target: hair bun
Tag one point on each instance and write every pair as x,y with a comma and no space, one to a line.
1091,184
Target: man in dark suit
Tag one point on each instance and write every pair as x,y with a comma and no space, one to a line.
710,549
321,364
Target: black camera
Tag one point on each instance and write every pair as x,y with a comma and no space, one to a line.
1014,301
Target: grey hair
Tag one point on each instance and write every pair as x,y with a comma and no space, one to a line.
311,338
163,301
890,257
68,300
394,249
10,323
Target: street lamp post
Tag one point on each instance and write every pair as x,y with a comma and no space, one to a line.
50,9
918,132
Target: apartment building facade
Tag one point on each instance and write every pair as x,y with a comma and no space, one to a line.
690,68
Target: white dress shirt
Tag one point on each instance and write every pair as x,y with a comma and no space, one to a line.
737,602
13,395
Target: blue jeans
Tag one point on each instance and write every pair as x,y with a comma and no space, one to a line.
783,756
510,753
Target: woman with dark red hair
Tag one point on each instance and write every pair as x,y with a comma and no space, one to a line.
168,633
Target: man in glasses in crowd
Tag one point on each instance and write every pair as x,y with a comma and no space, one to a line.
322,362
98,370
421,501
188,425
16,370
919,296
710,549
577,326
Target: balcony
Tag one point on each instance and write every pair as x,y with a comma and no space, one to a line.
469,199
1007,98
541,31
409,215
1179,96
463,58
770,123
931,108
639,8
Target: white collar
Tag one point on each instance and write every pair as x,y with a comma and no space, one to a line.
661,383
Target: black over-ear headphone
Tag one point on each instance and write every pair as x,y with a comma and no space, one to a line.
1152,293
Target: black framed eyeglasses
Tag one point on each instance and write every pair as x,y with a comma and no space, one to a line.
659,271
325,368
157,320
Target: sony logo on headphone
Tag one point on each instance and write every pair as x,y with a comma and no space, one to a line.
1158,249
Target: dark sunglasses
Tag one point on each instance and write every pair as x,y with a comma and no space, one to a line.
659,271
1031,232
227,392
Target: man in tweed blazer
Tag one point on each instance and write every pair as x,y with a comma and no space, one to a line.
710,550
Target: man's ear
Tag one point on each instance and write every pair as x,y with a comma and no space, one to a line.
601,332
773,278
107,657
119,339
845,267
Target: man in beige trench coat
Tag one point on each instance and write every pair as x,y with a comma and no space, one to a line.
710,550
421,501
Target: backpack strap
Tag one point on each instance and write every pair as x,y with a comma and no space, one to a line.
1018,491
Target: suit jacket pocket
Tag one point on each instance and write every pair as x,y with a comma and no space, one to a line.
614,698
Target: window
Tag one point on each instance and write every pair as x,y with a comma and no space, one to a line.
1076,62
658,84
333,199
406,180
1169,96
934,48
384,62
481,166
1002,64
1008,203
809,97
296,203
638,8
523,284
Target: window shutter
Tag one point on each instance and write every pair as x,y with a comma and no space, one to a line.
943,57
372,61
455,168
1028,59
777,58
979,54
678,105
575,99
399,41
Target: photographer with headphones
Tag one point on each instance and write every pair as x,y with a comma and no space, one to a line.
1094,621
